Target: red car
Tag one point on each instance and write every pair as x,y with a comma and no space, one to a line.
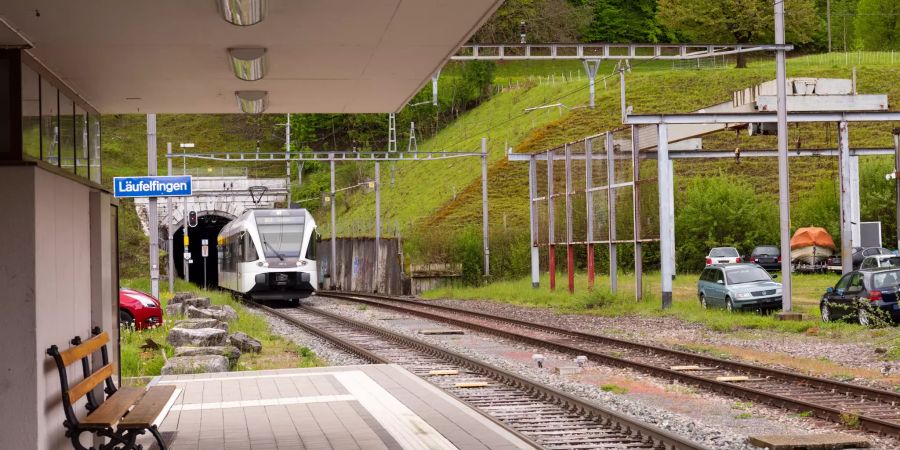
138,309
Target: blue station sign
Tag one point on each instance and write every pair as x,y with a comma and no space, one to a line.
179,186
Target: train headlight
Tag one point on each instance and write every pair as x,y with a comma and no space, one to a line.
301,263
262,264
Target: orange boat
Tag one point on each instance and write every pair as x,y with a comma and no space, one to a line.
811,245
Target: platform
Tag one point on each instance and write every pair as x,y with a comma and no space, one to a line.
348,407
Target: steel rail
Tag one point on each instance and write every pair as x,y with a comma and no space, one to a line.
342,344
825,412
624,424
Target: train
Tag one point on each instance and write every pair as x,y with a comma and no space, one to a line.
269,254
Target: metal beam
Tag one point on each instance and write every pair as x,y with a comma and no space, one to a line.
497,52
897,179
326,156
570,262
170,249
761,117
589,205
726,154
333,230
636,211
377,220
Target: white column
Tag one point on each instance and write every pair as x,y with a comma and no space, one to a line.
484,209
846,213
784,192
333,227
532,215
169,230
855,235
666,216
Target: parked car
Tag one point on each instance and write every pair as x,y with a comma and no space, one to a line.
138,309
876,261
864,296
766,256
834,263
723,255
738,286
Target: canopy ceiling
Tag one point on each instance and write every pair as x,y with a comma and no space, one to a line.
170,56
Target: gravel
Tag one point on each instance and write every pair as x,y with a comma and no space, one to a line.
324,350
666,331
711,419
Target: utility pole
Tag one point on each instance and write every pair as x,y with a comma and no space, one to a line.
897,181
187,251
153,211
333,228
784,198
287,156
377,218
169,216
484,209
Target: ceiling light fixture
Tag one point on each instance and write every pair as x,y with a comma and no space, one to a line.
252,102
248,63
242,12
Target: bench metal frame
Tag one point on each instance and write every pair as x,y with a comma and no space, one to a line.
118,439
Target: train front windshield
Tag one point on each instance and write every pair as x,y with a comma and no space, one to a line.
281,236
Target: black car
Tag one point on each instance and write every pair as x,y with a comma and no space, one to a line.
859,254
766,256
867,296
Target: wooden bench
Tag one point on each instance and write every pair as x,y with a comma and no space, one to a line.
125,414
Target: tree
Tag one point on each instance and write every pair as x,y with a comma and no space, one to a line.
545,21
737,21
721,210
624,21
878,24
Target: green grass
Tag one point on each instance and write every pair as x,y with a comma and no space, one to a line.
614,388
807,289
277,352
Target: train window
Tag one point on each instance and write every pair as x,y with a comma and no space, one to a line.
312,246
249,250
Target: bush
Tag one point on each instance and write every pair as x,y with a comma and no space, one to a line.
721,211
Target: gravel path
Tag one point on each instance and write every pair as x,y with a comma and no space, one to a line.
667,331
716,421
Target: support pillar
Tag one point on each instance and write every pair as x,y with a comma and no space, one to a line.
846,213
611,202
897,180
532,215
784,192
666,216
636,211
484,208
377,221
170,232
589,203
187,267
591,66
855,235
287,156
333,227
152,209
434,87
551,212
570,258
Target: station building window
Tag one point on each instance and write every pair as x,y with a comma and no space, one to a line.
66,133
49,122
58,127
31,113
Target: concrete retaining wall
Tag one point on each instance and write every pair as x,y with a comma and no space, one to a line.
360,268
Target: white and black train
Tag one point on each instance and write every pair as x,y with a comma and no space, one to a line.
269,254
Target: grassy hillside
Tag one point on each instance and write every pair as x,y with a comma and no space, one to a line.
438,193
430,197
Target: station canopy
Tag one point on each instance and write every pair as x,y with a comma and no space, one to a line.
171,56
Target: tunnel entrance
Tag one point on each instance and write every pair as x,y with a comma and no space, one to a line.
208,227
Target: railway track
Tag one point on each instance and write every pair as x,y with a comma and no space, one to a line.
871,409
542,415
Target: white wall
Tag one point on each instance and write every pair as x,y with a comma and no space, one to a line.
47,270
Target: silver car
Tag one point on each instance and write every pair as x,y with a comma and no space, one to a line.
738,286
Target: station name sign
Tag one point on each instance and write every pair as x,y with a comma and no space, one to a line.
179,186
